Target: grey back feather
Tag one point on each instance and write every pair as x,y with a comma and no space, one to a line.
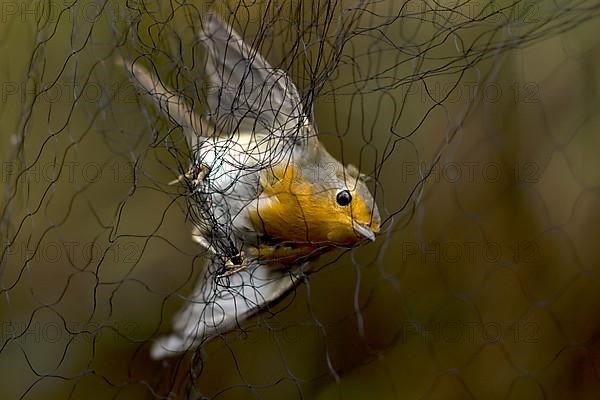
246,93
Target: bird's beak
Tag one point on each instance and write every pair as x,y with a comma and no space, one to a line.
364,231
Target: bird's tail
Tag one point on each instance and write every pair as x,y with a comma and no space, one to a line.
220,303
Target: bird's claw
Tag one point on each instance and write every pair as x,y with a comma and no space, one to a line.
196,175
234,265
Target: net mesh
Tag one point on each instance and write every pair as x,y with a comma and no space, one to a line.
475,121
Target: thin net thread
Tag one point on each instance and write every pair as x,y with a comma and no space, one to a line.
475,120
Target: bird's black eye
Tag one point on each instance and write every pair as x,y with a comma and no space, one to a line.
343,198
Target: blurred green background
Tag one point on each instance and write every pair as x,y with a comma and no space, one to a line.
483,283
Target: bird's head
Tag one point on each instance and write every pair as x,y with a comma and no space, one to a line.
307,204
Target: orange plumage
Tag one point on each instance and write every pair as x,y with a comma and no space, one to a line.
303,218
266,194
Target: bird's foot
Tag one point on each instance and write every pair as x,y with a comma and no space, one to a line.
196,174
235,264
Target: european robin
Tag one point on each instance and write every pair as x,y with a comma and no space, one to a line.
265,194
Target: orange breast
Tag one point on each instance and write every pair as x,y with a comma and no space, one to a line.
290,212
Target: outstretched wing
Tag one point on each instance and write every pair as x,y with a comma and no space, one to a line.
245,92
220,303
168,101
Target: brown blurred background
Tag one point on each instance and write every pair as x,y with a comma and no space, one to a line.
483,284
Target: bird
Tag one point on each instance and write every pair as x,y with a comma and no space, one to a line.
266,196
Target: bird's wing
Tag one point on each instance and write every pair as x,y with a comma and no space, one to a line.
168,101
245,92
220,303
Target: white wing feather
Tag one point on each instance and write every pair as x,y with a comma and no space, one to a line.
219,304
246,93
